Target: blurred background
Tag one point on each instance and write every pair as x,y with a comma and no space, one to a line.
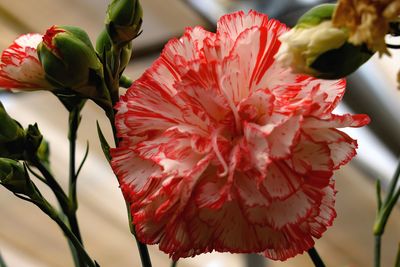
28,238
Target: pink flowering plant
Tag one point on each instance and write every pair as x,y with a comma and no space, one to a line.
226,143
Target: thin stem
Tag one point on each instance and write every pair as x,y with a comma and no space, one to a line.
174,263
377,254
397,263
52,182
316,259
74,116
383,214
2,262
74,240
112,78
144,254
393,183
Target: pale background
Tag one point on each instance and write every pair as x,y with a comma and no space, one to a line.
29,238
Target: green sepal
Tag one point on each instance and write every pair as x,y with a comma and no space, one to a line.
316,15
341,62
104,49
67,61
14,177
33,139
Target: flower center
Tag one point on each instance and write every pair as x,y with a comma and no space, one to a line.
214,140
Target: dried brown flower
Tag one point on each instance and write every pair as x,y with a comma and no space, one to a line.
367,21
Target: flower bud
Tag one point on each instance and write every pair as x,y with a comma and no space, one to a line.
124,20
104,46
43,152
315,47
10,129
20,67
14,177
33,139
12,136
70,61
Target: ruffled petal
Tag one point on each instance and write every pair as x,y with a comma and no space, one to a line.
20,67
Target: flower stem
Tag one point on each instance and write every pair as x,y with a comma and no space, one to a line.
112,79
383,213
74,117
62,198
397,263
82,254
174,263
2,262
377,254
316,259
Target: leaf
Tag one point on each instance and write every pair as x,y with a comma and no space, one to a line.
83,160
104,144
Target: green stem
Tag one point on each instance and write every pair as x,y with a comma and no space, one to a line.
74,116
383,214
316,259
377,254
74,119
174,263
393,183
87,261
388,204
113,84
62,198
2,262
397,263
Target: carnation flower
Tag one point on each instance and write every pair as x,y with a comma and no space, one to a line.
20,67
223,149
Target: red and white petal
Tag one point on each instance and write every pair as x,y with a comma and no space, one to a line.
231,230
144,109
234,24
310,156
281,213
187,48
327,135
280,181
324,215
20,67
342,152
248,190
210,190
337,121
284,137
134,174
257,108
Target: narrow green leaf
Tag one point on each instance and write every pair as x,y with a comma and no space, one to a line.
83,160
104,144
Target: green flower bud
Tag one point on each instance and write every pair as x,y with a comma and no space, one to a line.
33,139
315,47
104,46
12,136
70,61
43,152
124,20
14,177
10,129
